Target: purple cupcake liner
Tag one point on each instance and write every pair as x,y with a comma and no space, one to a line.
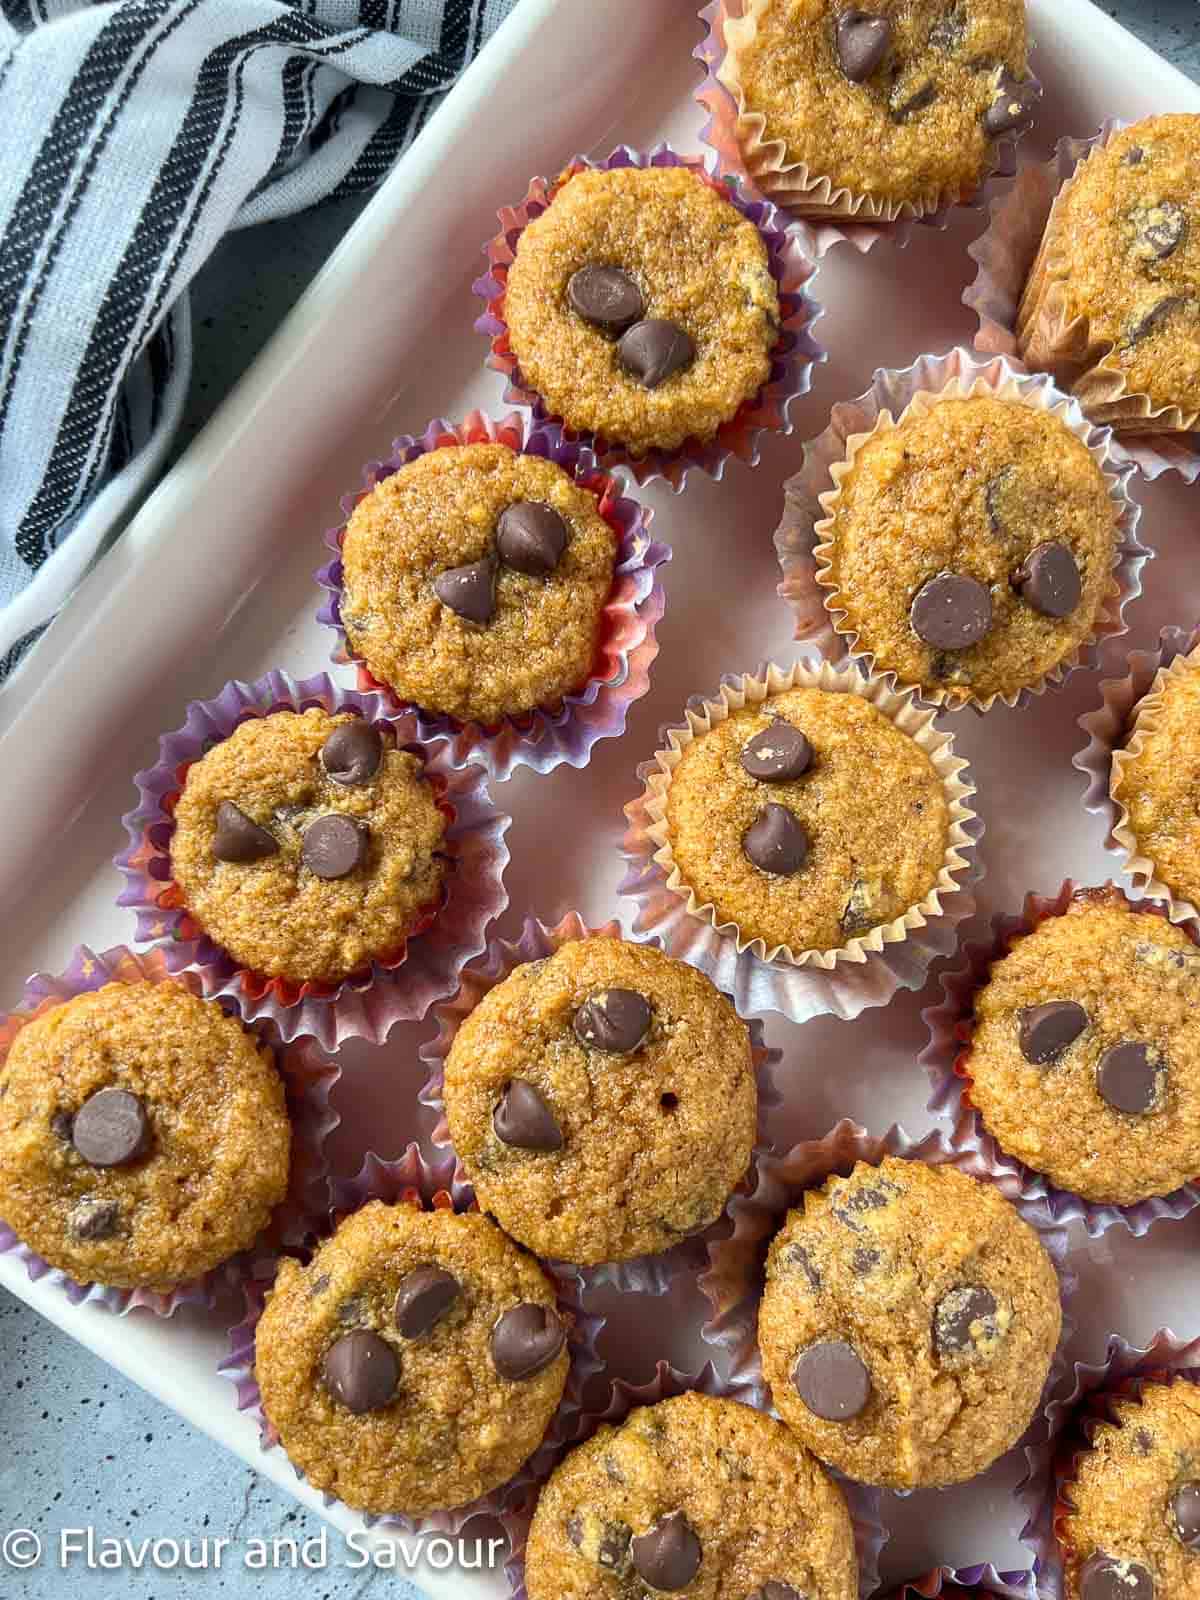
548,736
950,1024
433,1182
984,1580
799,541
1004,254
733,1283
668,1382
364,1006
308,1078
644,1274
792,358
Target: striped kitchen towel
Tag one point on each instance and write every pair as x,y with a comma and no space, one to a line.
133,134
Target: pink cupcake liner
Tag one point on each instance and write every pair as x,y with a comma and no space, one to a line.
365,1005
308,1078
548,736
951,1021
1005,253
950,1582
433,1183
733,1283
645,1274
818,234
870,1536
792,358
798,537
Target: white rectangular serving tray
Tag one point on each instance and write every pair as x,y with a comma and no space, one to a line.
213,580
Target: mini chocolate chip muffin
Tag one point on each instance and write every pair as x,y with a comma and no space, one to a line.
971,547
694,1494
1112,303
807,820
641,306
908,1324
1130,1522
1156,778
475,580
897,104
144,1137
415,1363
307,845
1084,1062
602,1101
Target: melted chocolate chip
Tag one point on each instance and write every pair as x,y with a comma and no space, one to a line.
423,1299
93,1219
951,611
862,42
1155,317
352,753
1159,230
111,1129
949,30
616,1020
607,297
1185,1515
526,1340
1133,156
1129,1078
1047,1030
60,1126
798,1256
776,842
668,1556
362,1371
470,591
777,754
654,350
531,538
832,1381
1049,579
1103,1577
334,845
524,1120
902,106
239,839
964,1317
1014,106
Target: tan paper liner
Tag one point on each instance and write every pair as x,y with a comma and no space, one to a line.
801,983
1016,249
864,1504
1127,713
734,1281
811,495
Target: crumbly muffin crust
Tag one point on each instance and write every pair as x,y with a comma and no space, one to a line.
653,1139
1159,785
216,1158
882,1262
763,1510
698,263
455,1428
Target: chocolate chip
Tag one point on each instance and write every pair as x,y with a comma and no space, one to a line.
95,1219
777,754
994,496
862,43
1185,1515
611,1546
832,1381
1133,156
1047,1030
654,350
776,842
60,1126
902,109
239,839
319,1285
524,1120
615,1020
1155,317
1160,229
470,591
668,1556
352,753
362,1371
423,1299
111,1129
957,1313
1105,1578
1143,1441
334,845
1013,107
949,31
1129,1078
850,1205
605,296
798,1256
859,914
531,538
865,1260
777,1591
951,611
526,1340
1049,581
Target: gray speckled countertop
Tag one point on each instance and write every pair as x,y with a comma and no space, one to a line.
79,1444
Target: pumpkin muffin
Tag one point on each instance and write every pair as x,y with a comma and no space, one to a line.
603,1101
693,1494
1084,1061
307,845
144,1136
807,820
908,1324
641,306
1157,778
415,1363
971,547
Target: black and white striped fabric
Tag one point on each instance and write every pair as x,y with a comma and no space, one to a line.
133,134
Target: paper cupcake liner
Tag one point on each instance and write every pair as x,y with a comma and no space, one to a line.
437,1182
951,1022
366,1005
828,215
1127,713
308,1078
865,972
668,1382
965,1583
792,358
801,538
733,1283
643,1274
1006,255
550,735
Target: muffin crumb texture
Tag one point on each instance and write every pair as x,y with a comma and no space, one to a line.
1159,785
